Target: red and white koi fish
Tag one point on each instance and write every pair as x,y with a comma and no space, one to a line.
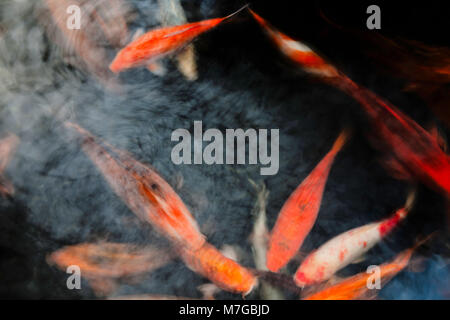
8,146
355,287
299,213
148,195
340,251
160,42
222,271
415,150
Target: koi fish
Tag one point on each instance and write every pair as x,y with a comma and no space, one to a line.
345,248
160,42
415,150
299,213
110,260
148,195
105,264
355,287
297,51
8,145
222,271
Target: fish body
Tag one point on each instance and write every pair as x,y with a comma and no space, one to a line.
148,195
299,213
356,287
161,42
340,251
222,271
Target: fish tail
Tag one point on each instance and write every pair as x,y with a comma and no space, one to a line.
403,258
341,140
410,199
236,12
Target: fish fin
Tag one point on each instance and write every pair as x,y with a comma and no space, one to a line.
410,199
157,68
139,32
230,252
103,286
186,63
334,280
417,264
359,259
208,290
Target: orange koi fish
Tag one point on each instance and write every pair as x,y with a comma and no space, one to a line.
355,287
108,259
160,42
222,271
148,195
8,145
415,150
299,213
337,253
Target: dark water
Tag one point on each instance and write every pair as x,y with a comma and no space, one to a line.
62,199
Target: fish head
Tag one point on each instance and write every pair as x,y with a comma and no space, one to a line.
126,58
